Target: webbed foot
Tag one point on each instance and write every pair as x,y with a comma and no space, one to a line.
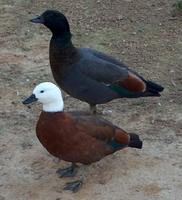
74,186
67,172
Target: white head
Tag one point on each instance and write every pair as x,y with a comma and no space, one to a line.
49,95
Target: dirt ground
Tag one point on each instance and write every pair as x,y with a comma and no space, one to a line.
142,34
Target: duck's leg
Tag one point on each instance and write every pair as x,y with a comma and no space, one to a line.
93,109
73,186
67,172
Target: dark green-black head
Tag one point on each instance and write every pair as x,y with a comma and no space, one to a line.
55,21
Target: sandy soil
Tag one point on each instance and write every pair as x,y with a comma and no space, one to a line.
142,34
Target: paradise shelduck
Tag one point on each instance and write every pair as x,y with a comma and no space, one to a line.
75,136
87,74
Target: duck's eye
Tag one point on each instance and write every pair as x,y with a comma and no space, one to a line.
42,91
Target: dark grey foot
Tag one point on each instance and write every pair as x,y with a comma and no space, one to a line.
73,186
67,172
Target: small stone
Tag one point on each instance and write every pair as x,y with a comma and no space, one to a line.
169,140
107,112
158,9
120,17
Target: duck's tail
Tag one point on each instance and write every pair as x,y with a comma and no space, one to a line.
153,88
135,141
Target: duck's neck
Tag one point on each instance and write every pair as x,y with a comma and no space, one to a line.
62,41
62,54
57,106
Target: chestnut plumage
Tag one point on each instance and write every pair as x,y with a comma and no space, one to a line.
77,137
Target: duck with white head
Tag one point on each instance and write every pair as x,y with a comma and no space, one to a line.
75,137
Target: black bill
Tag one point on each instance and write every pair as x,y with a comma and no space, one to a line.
30,99
38,19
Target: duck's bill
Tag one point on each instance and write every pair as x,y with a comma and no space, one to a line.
38,19
30,99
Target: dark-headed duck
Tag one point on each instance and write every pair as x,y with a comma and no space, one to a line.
87,74
74,136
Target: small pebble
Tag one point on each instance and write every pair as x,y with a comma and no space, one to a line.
107,112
